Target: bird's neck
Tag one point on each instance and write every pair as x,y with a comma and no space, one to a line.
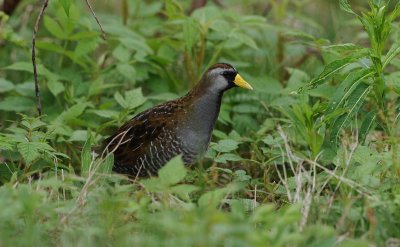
204,110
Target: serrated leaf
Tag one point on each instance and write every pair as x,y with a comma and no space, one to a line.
30,151
344,5
6,85
173,172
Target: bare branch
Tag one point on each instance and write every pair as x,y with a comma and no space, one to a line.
35,30
103,34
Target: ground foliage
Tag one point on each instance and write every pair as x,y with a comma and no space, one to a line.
309,158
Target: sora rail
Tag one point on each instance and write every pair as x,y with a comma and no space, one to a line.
182,126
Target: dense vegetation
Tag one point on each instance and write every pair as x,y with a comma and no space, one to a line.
309,158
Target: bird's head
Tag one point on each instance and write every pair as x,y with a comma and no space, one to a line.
221,77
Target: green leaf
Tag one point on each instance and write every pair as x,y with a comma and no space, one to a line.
212,199
5,85
346,88
329,71
86,156
223,158
79,135
244,39
73,112
344,5
190,33
173,172
86,46
54,28
66,4
392,53
16,104
353,105
366,125
134,98
29,151
154,185
183,190
226,145
55,87
107,165
120,100
127,70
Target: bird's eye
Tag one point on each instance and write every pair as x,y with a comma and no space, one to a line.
230,75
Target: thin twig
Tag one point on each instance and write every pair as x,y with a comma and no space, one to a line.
35,30
103,34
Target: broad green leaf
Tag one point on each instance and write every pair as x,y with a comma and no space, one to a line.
79,135
127,70
55,87
54,28
173,172
122,54
226,145
366,126
346,88
6,85
329,71
134,98
120,100
73,112
353,105
16,104
86,156
85,46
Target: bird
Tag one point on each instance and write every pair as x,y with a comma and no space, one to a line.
182,126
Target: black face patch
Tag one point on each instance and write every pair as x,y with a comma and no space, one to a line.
229,75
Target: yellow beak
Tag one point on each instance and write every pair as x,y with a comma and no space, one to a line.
240,82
